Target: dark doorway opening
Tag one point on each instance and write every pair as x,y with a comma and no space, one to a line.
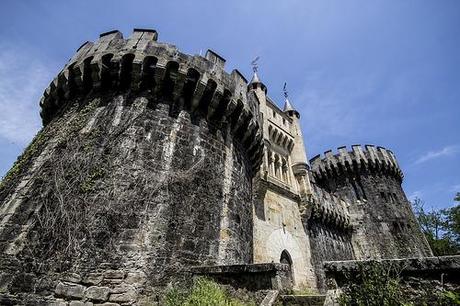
286,259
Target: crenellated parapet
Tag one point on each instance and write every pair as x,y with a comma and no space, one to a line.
328,209
194,83
370,159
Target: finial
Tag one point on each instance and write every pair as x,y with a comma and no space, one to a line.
254,64
285,90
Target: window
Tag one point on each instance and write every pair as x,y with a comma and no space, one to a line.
274,114
284,121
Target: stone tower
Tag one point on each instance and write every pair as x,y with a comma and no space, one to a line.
143,168
369,178
282,190
152,161
299,161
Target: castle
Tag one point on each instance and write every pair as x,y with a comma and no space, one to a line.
152,161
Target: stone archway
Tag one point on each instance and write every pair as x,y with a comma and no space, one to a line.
285,258
281,247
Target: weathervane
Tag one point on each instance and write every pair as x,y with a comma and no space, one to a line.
254,64
285,90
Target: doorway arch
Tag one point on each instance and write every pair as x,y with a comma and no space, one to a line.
285,258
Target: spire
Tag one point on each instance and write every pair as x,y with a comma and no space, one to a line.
287,105
255,78
255,67
255,81
288,108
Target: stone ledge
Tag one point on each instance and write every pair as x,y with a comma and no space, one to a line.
407,265
264,276
249,268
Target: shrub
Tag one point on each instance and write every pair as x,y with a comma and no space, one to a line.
204,292
373,284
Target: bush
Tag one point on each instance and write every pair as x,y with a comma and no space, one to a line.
372,284
376,284
204,292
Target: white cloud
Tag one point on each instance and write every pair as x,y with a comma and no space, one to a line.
22,81
446,151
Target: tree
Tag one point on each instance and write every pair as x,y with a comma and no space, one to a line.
453,221
441,227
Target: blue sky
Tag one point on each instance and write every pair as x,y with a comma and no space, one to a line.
371,72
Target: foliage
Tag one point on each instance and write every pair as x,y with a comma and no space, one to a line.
373,284
376,284
204,292
20,164
441,227
451,298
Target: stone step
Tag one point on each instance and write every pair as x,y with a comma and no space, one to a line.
303,300
270,298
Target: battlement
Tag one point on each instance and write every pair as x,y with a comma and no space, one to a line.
369,158
329,209
140,63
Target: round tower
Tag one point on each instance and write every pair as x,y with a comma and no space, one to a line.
143,168
370,178
300,166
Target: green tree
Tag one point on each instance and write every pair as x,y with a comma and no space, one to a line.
453,222
440,226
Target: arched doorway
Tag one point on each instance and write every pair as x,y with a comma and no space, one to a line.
286,259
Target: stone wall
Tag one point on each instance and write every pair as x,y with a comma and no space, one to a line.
277,228
329,231
421,279
384,225
142,170
254,277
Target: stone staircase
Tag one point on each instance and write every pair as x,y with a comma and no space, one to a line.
302,300
273,298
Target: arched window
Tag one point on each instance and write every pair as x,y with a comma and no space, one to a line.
270,163
284,170
277,164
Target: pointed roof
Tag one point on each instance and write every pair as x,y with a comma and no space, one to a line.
255,78
255,82
287,106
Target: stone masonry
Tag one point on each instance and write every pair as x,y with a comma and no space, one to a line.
152,162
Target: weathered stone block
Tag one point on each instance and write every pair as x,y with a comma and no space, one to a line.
92,279
97,293
123,294
135,278
71,277
114,274
80,303
70,290
59,302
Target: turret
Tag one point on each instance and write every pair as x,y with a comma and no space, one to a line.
370,179
143,169
299,161
258,91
